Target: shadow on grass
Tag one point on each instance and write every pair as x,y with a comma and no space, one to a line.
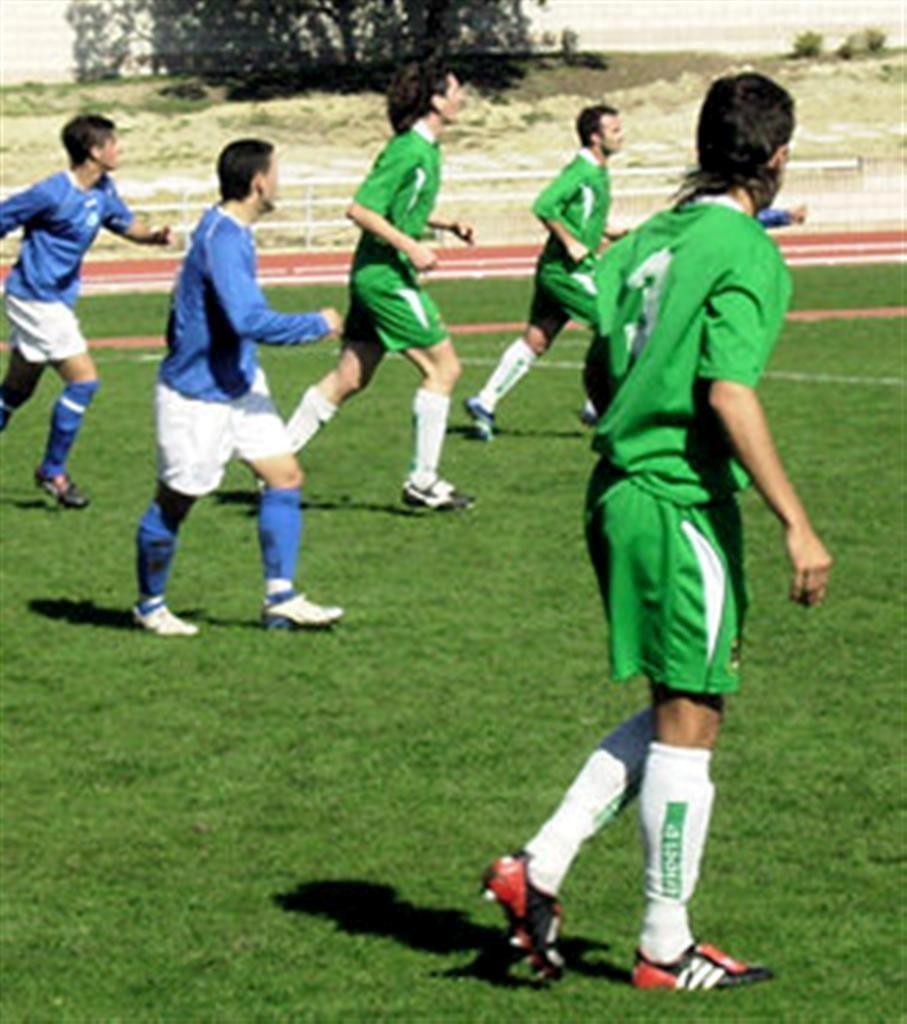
345,503
32,503
82,613
468,433
371,909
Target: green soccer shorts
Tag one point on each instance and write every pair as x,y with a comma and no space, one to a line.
672,582
560,295
388,309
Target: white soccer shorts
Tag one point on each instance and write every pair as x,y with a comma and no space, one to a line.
43,332
196,438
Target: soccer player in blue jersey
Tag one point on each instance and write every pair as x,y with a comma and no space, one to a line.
212,400
61,216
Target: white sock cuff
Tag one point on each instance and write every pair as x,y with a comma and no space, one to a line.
689,762
426,401
522,350
324,408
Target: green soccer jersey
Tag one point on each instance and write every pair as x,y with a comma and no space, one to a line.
694,295
579,198
402,186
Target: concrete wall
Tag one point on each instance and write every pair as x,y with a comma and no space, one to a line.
729,26
36,40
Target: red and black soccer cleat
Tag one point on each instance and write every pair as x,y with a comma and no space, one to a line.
701,967
533,917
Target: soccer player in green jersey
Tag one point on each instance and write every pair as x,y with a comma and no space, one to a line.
574,209
389,311
690,305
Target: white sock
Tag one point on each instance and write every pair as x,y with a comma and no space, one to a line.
675,803
513,365
430,409
604,785
313,411
277,586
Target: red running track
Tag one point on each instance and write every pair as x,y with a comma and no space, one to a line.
132,275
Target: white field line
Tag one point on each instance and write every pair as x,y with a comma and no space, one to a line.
787,375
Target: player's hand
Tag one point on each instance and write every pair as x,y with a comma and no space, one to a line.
161,236
334,319
464,231
811,565
577,251
798,214
422,257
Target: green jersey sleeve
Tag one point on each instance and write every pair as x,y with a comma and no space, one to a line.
389,172
578,198
743,318
550,202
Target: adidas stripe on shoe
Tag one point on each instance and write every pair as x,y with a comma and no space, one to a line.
701,967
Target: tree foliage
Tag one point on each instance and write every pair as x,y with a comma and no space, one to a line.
286,37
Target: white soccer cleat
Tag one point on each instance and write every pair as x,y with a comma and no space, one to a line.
163,622
439,495
299,612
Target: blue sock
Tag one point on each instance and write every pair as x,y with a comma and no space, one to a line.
10,401
65,421
280,532
155,548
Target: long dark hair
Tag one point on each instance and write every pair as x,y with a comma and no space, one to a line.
410,94
743,121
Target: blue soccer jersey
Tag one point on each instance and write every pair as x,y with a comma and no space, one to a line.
61,221
218,313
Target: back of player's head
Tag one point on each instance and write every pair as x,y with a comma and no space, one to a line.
238,164
412,90
85,132
744,120
589,122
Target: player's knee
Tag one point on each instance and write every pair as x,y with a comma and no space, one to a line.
446,375
293,476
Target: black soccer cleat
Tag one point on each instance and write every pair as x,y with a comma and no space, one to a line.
533,916
61,488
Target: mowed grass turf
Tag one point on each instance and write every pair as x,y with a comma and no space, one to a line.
272,827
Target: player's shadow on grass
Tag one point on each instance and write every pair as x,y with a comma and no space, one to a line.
344,503
371,909
82,613
469,434
35,503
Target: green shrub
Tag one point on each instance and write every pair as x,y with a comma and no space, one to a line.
851,46
808,44
875,40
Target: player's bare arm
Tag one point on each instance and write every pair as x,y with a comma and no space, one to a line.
143,234
422,257
740,411
460,228
575,248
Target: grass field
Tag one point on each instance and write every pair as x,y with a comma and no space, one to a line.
259,827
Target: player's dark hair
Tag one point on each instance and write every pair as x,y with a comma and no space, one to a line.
83,133
238,164
412,90
589,122
744,120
